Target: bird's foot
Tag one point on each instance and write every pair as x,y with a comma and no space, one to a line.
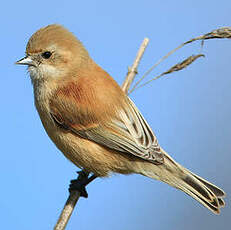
81,182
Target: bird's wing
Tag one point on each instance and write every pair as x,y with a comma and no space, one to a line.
121,128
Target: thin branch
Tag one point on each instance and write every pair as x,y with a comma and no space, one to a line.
67,210
69,206
75,195
71,202
132,71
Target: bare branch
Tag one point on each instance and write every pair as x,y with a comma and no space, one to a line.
67,210
132,71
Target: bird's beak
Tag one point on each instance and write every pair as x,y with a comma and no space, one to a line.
26,61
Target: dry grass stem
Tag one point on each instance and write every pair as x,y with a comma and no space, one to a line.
224,32
174,68
183,64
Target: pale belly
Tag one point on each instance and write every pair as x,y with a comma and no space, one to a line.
85,153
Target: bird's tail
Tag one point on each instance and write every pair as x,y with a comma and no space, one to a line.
177,176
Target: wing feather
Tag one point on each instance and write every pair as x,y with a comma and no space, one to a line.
126,131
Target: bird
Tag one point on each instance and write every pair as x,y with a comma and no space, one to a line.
94,123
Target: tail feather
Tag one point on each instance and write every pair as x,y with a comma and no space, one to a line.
217,191
177,176
202,193
221,202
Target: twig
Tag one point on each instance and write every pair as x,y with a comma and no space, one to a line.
69,206
132,71
75,195
67,210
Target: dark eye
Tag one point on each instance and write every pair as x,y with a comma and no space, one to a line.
46,54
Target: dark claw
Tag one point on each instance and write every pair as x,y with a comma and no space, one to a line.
83,174
78,185
81,182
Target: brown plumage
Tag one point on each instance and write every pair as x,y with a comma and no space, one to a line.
93,122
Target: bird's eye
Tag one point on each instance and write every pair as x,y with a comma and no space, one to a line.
46,54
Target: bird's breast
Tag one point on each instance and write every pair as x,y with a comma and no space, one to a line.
82,152
61,138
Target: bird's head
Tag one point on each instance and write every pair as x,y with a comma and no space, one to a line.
52,52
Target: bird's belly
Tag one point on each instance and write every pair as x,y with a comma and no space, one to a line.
88,154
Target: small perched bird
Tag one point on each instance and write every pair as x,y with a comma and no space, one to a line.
94,123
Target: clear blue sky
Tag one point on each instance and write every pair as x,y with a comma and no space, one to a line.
189,111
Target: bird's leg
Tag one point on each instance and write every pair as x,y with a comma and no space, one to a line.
81,182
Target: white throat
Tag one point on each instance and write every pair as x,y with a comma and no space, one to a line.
43,81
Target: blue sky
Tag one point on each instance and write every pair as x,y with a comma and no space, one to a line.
189,111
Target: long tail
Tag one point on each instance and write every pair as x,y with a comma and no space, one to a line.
179,177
